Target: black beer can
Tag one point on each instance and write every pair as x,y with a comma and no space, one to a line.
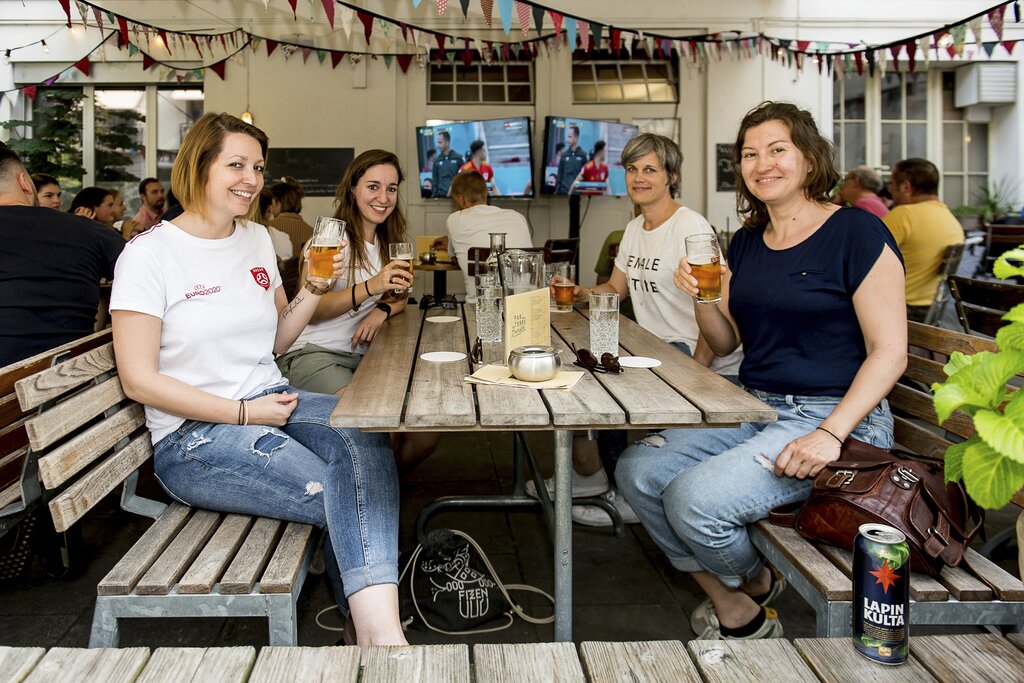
881,594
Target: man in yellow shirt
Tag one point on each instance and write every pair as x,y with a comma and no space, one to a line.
923,227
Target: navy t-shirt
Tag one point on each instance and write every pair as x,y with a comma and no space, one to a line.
794,307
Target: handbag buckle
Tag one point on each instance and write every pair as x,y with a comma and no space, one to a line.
839,479
904,477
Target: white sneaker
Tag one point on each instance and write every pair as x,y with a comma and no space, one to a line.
771,628
582,486
591,515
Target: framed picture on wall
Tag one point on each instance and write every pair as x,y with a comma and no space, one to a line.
725,178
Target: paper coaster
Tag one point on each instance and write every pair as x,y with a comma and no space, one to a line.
444,319
442,356
638,362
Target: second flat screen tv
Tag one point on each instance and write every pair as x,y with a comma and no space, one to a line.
581,156
499,149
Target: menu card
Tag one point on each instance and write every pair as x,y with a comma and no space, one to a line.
527,319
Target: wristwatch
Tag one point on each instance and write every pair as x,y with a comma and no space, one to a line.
384,307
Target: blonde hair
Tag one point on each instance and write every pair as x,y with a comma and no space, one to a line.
202,144
471,186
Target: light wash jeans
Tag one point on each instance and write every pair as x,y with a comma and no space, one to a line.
696,490
341,480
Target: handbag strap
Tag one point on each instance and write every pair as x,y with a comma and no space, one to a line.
785,515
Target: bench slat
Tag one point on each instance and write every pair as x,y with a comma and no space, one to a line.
250,560
554,662
10,494
421,663
963,586
923,588
176,558
819,572
946,341
13,436
750,661
919,404
72,413
924,370
283,568
126,573
1016,639
110,665
969,657
70,458
214,558
659,660
1006,586
835,659
11,467
915,438
16,662
41,387
29,366
68,507
292,664
9,409
199,665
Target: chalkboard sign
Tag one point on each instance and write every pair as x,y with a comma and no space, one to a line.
725,176
318,170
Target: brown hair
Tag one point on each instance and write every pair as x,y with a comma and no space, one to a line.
922,174
288,196
345,208
818,151
471,186
202,143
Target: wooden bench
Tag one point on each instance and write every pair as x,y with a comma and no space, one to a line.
981,595
89,438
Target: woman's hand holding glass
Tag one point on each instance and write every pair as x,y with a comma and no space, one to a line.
684,279
338,265
395,275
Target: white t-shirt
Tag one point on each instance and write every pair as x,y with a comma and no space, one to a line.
648,258
336,333
282,243
216,301
472,227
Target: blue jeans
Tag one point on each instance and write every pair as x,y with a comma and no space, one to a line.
696,490
341,480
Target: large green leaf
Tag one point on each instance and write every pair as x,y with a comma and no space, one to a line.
1003,269
991,478
959,360
1015,314
954,459
1001,433
950,397
982,384
1011,337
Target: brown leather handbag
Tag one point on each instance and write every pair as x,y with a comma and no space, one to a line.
870,485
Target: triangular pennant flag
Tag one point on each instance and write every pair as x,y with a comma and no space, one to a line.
596,30
467,54
271,46
523,13
348,16
1016,11
556,19
616,41
367,22
305,54
83,65
570,33
442,5
439,38
321,55
988,47
894,50
488,9
147,61
404,61
387,60
465,8
538,18
329,9
66,5
924,44
859,58
223,41
97,14
505,11
336,58
802,45
416,3
911,56
293,3
163,37
195,41
870,56
584,27
959,35
505,53
132,50
30,92
1008,45
122,26
995,20
975,26
219,67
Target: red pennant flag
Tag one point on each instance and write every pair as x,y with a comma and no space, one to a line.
995,18
858,57
83,65
951,51
293,3
66,4
329,8
163,36
505,52
147,61
488,7
802,45
195,41
523,12
271,46
404,61
616,40
894,50
367,24
305,54
405,32
219,67
336,58
223,41
911,56
556,19
122,25
1008,45
439,38
233,43
30,92
467,53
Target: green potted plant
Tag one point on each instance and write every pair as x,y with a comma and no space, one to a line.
991,463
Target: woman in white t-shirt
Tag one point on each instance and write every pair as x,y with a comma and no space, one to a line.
198,311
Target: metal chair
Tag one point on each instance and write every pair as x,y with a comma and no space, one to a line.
999,237
981,304
950,262
559,250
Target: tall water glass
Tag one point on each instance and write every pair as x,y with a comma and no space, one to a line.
488,311
563,285
401,251
328,234
604,323
705,258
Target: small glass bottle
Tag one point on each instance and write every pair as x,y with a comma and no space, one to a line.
497,246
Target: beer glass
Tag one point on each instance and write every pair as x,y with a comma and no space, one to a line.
401,251
604,323
562,284
328,234
705,260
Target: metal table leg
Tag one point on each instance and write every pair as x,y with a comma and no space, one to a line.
563,535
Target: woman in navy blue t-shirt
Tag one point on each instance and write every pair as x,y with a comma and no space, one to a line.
815,295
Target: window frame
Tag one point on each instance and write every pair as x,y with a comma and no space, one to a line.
602,64
457,67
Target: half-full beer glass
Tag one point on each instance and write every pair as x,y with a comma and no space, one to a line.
401,251
328,234
705,260
563,285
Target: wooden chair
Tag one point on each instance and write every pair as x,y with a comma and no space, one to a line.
950,262
981,304
290,269
1000,238
559,250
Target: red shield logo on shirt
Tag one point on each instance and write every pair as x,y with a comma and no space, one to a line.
261,277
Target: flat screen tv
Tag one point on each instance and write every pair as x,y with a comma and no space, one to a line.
498,148
581,156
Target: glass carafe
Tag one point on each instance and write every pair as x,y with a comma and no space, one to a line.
497,247
522,271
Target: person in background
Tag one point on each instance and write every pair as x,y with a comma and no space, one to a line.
571,162
860,188
47,190
126,226
51,264
173,209
446,165
151,193
96,203
594,171
428,165
472,224
198,311
923,227
478,162
285,213
282,243
813,292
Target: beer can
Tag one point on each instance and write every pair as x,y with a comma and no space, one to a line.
881,594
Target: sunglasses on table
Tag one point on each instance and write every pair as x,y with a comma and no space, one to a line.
477,354
585,359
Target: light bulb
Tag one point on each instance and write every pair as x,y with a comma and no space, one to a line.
247,117
46,48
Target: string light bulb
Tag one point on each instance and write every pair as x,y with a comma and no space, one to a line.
247,117
46,48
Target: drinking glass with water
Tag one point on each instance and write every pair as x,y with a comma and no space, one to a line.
604,323
488,311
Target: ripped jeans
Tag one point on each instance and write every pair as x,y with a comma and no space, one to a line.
341,480
696,490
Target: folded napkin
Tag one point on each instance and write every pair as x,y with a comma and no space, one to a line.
501,375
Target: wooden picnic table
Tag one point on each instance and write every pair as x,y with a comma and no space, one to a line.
394,390
973,657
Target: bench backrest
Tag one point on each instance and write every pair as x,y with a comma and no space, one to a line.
980,304
89,437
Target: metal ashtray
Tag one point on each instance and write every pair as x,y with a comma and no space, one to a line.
534,363
428,258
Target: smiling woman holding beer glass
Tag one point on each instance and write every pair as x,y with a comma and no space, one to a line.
198,311
815,295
